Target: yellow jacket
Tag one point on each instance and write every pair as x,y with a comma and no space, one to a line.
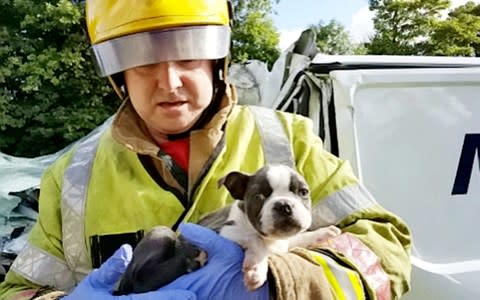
131,187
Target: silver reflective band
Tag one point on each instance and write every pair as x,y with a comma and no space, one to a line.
341,204
275,143
74,196
43,268
144,48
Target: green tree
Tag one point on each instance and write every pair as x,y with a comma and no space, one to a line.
49,93
403,27
254,35
459,34
332,38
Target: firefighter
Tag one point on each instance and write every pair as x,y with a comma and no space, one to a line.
177,131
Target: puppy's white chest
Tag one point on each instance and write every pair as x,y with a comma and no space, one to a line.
243,233
240,230
277,246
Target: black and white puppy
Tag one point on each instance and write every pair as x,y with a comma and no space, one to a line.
271,214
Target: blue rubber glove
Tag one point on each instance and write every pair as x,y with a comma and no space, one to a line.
222,276
100,283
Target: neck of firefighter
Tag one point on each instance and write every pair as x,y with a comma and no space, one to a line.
158,137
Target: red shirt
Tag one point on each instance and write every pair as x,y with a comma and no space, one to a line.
179,150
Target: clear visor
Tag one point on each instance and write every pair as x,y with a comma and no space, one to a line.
145,48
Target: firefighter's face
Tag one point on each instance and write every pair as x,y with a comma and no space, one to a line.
170,96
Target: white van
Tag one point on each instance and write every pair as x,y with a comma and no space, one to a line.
411,128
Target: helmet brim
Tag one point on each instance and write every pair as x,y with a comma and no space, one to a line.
150,47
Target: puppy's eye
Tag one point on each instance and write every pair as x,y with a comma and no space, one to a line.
303,192
259,197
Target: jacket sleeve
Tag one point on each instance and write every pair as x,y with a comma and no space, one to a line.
24,279
370,259
296,275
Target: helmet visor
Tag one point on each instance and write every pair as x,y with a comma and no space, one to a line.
150,47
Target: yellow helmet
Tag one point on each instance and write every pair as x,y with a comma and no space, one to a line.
126,34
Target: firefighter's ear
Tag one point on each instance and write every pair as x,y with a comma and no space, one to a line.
236,184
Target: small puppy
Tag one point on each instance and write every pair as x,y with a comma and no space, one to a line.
158,259
271,214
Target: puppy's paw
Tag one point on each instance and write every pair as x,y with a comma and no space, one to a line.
315,238
202,258
254,279
326,233
323,234
196,262
255,275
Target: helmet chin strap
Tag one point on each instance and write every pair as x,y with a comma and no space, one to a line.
118,89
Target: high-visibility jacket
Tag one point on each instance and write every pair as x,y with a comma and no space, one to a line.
101,188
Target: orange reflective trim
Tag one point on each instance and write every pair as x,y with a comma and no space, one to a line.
366,261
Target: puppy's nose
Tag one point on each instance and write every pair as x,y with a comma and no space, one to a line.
283,209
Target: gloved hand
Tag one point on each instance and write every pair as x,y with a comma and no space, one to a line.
100,283
222,276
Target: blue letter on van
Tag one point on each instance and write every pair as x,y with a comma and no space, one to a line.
471,146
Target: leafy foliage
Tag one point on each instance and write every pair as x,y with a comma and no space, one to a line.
459,34
332,38
404,27
49,93
254,34
421,27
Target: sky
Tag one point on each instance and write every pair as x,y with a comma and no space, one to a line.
293,16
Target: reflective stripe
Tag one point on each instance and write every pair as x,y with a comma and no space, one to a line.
366,262
43,269
74,195
334,208
275,143
345,283
356,283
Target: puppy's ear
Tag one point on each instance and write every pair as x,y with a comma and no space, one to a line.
236,184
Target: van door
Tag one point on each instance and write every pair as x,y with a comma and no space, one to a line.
413,137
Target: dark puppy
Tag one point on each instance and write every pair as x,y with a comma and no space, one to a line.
271,214
158,259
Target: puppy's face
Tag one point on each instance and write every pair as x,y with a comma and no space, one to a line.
276,200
